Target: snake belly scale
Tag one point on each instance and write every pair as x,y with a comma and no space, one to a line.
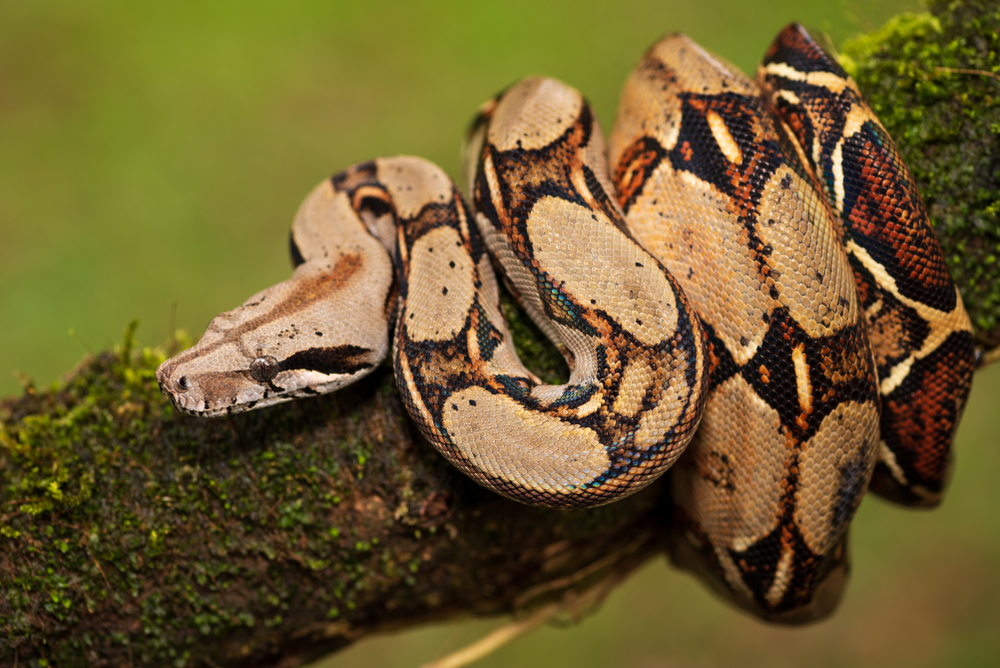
718,272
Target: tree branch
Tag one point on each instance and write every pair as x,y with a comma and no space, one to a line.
286,532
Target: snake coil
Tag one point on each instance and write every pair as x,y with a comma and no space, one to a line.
755,259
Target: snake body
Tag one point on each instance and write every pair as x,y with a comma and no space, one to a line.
713,187
920,331
713,276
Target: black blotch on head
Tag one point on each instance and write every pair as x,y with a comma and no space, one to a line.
444,290
336,359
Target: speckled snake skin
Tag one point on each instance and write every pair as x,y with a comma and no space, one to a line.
756,259
919,329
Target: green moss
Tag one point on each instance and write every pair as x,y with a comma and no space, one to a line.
50,483
537,353
103,514
932,79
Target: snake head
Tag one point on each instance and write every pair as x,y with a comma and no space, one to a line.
322,329
210,382
268,351
325,327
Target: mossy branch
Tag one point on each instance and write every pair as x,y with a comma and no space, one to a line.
130,534
134,534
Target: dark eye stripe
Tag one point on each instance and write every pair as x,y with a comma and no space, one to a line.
338,359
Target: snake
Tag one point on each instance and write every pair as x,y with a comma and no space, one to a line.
742,279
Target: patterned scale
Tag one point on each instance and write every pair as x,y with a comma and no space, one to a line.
713,188
920,331
538,174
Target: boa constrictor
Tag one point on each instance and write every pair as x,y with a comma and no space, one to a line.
704,277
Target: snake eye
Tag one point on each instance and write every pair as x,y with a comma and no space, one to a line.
264,369
182,383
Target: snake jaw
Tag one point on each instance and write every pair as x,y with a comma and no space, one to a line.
196,389
186,389
287,342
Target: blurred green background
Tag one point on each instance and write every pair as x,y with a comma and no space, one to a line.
152,156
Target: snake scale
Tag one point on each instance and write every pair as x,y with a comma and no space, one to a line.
743,282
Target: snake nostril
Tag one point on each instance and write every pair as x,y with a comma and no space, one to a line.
182,383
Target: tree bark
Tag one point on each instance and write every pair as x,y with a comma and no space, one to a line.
131,534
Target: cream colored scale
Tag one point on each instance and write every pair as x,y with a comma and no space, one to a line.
735,478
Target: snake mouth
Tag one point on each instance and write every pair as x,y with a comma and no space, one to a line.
215,394
185,403
192,405
187,394
196,412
